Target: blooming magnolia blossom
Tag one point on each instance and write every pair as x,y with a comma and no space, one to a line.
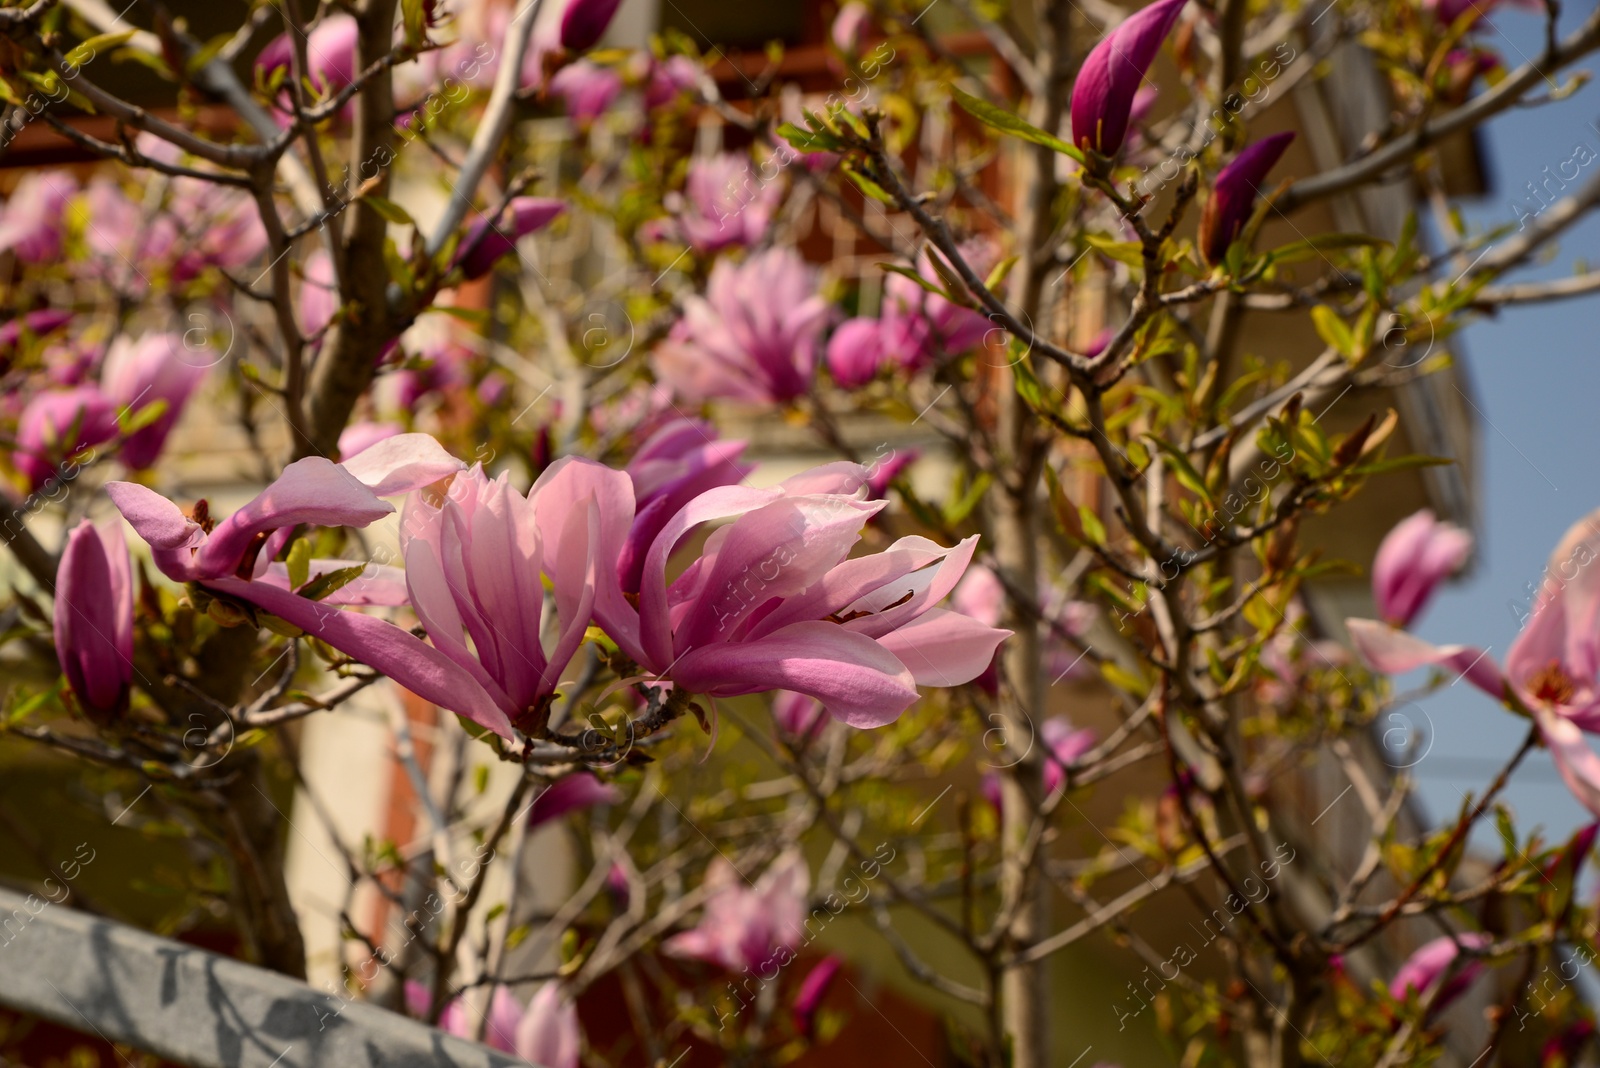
137,373
33,219
59,424
1113,73
1417,555
330,53
1552,668
726,201
1233,195
677,463
234,558
588,89
546,1033
773,602
919,327
744,925
1064,746
752,337
94,618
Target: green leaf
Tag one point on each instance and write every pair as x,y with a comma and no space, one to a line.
1007,123
1322,243
1093,529
329,581
907,272
130,422
206,53
999,273
299,563
1128,252
1400,463
1333,330
811,140
104,42
867,185
958,511
389,210
1182,469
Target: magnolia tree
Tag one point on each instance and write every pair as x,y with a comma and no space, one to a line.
366,235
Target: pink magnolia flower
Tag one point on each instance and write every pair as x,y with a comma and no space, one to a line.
1552,669
1064,746
808,999
94,618
330,53
546,1033
883,472
549,1034
855,351
577,791
233,558
918,326
676,464
485,241
473,567
1431,961
1233,195
774,603
726,202
744,925
33,219
668,79
1113,72
59,424
1418,554
584,22
588,88
138,373
752,337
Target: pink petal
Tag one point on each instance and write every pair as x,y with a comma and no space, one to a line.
856,678
1394,652
402,463
408,660
944,648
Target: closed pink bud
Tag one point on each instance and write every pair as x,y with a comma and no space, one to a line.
484,243
584,23
855,351
579,791
812,990
94,618
1112,75
1233,197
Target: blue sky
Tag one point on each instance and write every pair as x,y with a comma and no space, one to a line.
1535,374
